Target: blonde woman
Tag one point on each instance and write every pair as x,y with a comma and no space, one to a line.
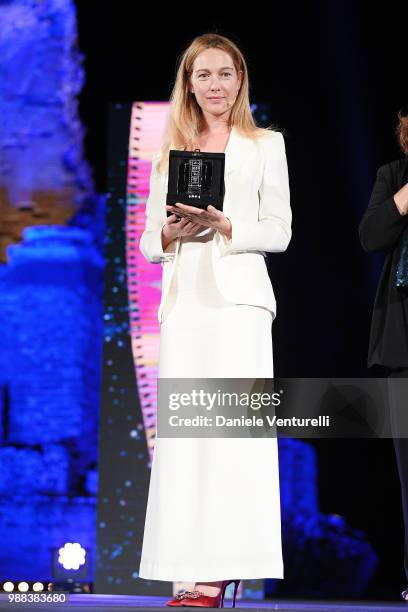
213,512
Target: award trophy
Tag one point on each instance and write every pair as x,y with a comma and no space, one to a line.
196,178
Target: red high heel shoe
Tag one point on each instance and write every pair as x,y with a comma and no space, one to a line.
197,598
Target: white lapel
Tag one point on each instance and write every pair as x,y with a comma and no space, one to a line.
235,150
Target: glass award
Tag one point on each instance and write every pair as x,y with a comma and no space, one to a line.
196,178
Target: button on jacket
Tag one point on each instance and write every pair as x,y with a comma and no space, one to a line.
257,203
380,230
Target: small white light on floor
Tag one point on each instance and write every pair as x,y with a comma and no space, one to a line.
23,586
72,555
38,586
8,587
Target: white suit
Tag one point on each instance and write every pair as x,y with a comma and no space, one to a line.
213,509
257,203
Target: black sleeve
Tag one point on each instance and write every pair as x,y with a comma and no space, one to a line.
382,222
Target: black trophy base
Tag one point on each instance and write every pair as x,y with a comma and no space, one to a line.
198,202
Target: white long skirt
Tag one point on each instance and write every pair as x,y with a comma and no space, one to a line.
213,510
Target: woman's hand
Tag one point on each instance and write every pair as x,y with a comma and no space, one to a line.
401,200
212,217
175,228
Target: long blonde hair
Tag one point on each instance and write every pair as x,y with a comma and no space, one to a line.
185,120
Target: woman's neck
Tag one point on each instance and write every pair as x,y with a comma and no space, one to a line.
216,128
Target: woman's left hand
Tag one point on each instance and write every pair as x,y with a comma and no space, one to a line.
212,217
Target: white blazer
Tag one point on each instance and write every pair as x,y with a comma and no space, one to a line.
257,203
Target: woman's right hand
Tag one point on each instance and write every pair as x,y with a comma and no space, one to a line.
175,227
401,200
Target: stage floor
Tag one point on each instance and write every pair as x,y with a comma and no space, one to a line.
111,603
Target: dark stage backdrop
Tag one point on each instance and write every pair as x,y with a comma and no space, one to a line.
335,74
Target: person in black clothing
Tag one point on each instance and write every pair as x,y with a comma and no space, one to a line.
384,227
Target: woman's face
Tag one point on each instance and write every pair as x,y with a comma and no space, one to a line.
214,81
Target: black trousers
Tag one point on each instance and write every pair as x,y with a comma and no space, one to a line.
399,418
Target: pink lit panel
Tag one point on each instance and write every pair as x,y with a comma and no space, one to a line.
144,279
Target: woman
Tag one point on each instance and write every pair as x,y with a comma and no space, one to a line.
213,509
382,229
